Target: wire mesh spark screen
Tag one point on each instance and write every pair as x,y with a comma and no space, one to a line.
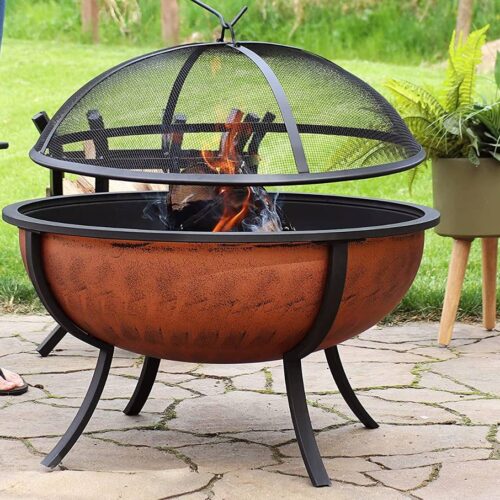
248,113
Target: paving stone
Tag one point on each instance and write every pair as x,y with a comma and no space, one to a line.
240,411
31,363
391,412
469,331
12,328
174,378
225,457
484,346
371,344
234,370
43,319
77,350
349,470
176,366
480,411
93,454
478,479
33,394
253,382
317,377
356,441
199,495
87,485
405,480
434,352
408,332
76,384
417,395
270,438
168,378
352,354
36,420
263,485
15,455
157,438
206,386
436,381
13,345
152,405
432,457
466,371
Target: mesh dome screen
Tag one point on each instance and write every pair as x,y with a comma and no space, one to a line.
254,113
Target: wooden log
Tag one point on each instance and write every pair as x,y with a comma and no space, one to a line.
257,138
228,137
246,132
172,144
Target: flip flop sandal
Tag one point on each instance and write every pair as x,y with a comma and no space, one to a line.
16,391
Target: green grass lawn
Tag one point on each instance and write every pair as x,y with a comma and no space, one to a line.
39,76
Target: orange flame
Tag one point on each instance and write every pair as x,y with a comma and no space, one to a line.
226,162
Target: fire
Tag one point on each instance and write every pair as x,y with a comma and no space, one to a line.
226,161
231,216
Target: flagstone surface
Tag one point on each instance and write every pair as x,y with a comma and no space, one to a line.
217,432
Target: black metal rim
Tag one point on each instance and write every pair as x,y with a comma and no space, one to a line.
229,180
18,214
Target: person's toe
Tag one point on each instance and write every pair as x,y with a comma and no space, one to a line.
12,377
5,385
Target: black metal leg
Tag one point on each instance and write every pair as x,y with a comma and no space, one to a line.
143,387
86,410
335,364
51,341
302,423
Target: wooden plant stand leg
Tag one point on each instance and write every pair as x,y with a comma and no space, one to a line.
490,254
456,274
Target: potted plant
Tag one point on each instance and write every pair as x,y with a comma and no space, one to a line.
462,140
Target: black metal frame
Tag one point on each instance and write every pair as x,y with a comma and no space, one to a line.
332,295
41,120
126,158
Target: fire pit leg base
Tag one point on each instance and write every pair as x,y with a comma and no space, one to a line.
335,364
143,387
302,423
51,341
86,410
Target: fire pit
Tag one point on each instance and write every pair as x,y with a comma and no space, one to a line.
216,268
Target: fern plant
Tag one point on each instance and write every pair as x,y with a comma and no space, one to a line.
450,124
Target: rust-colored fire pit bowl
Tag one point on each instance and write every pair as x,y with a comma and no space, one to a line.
115,278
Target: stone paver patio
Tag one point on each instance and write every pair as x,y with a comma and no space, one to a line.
224,431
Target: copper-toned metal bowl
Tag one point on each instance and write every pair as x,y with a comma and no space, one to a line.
226,297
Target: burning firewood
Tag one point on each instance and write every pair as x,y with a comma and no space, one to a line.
222,208
203,208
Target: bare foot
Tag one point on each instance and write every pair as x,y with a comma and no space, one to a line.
10,381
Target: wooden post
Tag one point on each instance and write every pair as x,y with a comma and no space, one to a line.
90,18
464,19
170,21
456,275
490,255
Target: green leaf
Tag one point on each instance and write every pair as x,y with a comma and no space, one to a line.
460,82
